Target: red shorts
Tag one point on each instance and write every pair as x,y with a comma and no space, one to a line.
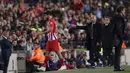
52,45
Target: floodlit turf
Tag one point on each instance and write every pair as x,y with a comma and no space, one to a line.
97,70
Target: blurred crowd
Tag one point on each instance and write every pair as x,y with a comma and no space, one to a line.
24,22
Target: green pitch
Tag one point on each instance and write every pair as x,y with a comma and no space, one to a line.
97,70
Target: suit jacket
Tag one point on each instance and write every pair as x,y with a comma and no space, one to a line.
119,26
107,35
6,45
97,32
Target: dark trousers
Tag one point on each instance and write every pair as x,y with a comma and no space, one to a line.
90,47
117,55
94,52
108,55
5,57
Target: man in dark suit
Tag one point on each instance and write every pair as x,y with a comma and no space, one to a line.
6,46
96,35
119,23
107,39
93,31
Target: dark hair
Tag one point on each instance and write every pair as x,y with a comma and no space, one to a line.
119,8
54,13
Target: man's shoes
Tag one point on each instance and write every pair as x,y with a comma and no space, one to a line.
41,69
118,69
110,65
92,67
63,67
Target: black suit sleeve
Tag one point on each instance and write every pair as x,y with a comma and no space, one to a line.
5,43
99,32
118,29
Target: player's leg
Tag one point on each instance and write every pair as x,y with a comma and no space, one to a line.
48,49
63,66
60,57
57,49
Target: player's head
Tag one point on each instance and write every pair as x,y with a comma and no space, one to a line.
48,13
52,13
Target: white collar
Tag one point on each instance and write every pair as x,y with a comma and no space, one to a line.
5,37
106,24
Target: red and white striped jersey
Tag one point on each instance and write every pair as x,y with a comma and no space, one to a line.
53,34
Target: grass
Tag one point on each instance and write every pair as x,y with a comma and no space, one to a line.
97,70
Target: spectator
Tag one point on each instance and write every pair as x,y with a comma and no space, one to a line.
78,4
38,58
72,41
86,7
79,41
29,49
